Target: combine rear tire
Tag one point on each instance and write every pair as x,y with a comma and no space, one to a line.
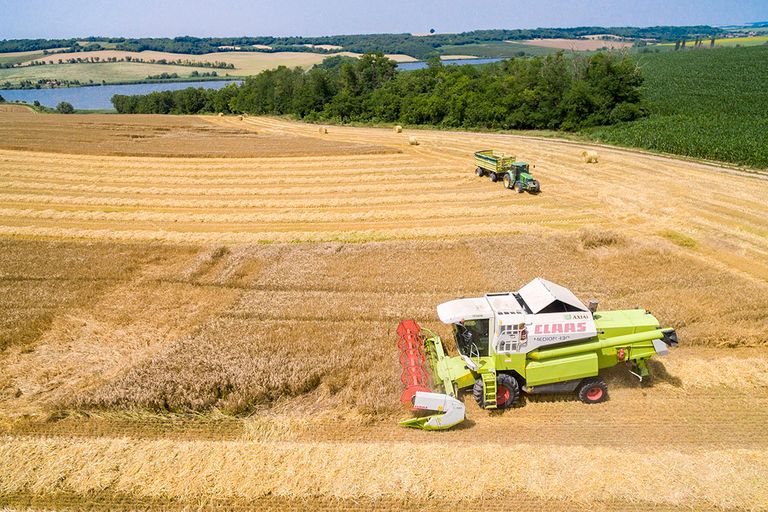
507,391
508,181
593,391
479,172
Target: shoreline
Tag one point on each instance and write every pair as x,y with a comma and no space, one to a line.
131,82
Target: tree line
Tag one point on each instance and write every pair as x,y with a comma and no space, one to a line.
553,92
128,58
419,47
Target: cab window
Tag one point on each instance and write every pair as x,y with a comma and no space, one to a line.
472,332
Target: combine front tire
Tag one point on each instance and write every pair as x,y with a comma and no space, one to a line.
593,391
507,391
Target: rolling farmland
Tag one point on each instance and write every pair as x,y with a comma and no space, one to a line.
246,63
184,329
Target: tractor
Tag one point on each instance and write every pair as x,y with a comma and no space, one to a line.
498,166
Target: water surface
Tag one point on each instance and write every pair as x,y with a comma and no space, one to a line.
98,97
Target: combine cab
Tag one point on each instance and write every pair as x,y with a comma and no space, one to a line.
541,339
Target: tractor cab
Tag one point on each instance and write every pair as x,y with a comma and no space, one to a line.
520,167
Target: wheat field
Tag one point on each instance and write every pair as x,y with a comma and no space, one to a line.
186,330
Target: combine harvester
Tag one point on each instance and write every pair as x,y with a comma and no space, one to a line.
542,339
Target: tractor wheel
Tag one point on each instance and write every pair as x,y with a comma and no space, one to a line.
507,391
479,172
593,391
507,181
494,177
519,187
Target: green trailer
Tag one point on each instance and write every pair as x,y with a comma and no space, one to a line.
498,166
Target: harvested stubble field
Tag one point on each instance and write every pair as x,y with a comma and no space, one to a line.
579,45
163,345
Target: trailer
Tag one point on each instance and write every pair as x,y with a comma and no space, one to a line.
492,164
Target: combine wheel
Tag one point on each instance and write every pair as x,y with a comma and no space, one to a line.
494,177
593,391
479,172
508,182
507,391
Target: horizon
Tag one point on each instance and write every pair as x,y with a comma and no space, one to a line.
415,34
144,19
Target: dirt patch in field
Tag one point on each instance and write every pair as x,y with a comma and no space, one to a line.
163,136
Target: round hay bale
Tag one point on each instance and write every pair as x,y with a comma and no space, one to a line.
323,130
398,129
413,141
589,157
221,114
240,118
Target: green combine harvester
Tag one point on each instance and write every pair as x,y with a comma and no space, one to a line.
498,166
541,339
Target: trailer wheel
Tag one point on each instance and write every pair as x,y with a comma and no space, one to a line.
479,172
593,391
494,177
507,391
508,182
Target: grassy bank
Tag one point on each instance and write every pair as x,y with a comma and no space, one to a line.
707,104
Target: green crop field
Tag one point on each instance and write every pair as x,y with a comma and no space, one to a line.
707,104
110,72
17,57
494,50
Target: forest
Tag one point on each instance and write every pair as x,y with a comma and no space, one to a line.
553,92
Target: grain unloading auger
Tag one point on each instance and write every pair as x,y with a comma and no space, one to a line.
541,339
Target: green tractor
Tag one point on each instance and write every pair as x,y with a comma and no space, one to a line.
514,175
541,339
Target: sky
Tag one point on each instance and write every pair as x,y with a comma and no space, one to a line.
168,18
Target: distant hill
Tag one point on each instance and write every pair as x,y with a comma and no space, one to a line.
416,46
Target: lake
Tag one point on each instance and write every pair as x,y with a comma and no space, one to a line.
98,97
410,66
